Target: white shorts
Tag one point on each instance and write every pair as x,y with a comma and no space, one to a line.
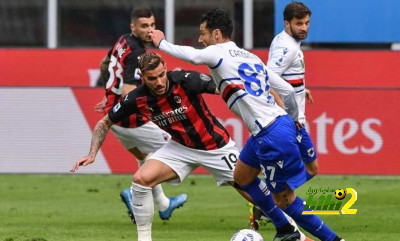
147,138
183,160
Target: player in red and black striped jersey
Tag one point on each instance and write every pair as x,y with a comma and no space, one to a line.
180,110
120,73
123,74
173,101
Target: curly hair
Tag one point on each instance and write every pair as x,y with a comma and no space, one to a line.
218,19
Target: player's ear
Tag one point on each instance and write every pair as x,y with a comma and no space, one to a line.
133,29
216,33
286,23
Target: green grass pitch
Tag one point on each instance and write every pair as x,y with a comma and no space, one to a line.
87,208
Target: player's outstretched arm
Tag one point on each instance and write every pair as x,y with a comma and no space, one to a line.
98,137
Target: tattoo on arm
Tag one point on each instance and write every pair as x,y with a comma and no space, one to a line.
99,135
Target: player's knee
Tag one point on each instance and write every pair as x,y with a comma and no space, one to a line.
141,179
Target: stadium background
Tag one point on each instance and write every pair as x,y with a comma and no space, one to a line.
48,82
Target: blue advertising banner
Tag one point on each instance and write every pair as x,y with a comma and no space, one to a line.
348,21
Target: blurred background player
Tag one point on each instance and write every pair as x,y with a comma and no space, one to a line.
287,60
272,148
119,70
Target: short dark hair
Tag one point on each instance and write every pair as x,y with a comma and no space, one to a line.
149,61
295,10
218,19
141,12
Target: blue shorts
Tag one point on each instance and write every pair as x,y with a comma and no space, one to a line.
276,152
306,146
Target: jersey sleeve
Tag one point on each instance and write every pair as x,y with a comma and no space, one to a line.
126,107
195,82
196,56
286,92
131,69
280,59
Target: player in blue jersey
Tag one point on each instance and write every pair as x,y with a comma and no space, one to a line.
244,83
287,60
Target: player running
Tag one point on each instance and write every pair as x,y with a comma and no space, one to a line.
244,83
173,101
287,60
136,133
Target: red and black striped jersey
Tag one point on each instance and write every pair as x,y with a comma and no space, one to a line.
123,69
182,111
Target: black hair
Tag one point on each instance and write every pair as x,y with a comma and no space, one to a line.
295,10
218,19
141,12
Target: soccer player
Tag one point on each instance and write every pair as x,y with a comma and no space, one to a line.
287,60
119,69
243,82
173,101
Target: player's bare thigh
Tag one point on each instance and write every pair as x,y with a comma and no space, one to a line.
153,172
244,174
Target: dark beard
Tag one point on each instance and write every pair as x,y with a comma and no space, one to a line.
296,36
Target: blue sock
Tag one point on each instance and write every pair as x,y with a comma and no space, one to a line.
311,223
262,197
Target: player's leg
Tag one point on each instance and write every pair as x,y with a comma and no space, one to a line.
151,173
166,164
133,140
287,174
294,206
154,139
221,164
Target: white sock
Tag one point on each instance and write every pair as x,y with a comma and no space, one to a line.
159,196
143,209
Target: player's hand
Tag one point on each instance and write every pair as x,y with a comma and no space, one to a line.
84,161
298,125
157,36
309,97
99,107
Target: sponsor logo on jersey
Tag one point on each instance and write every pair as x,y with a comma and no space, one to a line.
205,77
171,116
116,107
177,99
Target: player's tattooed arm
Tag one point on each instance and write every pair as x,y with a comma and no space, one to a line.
98,137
